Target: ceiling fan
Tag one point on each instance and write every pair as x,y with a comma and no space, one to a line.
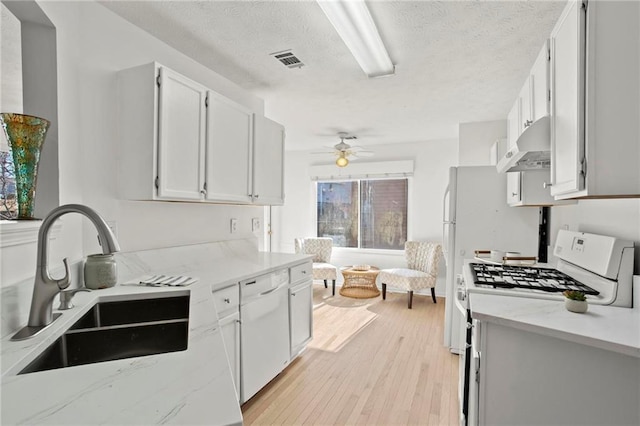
343,150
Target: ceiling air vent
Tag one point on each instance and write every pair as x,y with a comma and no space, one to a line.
288,59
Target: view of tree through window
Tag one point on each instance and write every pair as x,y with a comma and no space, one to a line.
364,213
8,203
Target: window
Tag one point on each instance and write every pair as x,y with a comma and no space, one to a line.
8,203
370,214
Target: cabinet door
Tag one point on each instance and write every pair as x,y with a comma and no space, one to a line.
526,116
229,136
513,124
301,314
539,81
514,188
567,101
230,328
268,162
181,137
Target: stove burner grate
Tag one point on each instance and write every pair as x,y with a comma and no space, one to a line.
505,276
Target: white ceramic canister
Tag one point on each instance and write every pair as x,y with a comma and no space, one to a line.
100,271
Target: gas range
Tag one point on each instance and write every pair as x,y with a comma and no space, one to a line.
526,278
600,266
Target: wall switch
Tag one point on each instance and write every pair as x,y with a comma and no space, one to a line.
234,225
255,224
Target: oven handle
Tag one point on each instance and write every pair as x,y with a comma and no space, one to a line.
467,369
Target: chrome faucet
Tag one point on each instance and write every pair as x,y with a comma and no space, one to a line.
46,288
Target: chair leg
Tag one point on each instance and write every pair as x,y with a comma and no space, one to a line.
333,288
410,298
325,284
433,294
384,291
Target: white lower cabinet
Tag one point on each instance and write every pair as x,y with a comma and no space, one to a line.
265,323
526,378
230,329
300,316
227,303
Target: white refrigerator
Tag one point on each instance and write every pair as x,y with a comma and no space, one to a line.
476,217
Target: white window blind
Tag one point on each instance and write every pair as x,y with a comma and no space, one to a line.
372,170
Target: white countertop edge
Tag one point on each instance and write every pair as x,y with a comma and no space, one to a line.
550,318
60,398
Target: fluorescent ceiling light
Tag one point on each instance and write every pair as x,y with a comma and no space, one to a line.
354,24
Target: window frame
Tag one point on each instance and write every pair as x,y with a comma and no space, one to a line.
399,252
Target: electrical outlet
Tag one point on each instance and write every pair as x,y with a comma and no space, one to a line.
255,224
234,225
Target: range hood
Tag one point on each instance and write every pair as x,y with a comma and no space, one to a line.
532,150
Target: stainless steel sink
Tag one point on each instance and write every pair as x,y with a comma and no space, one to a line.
117,330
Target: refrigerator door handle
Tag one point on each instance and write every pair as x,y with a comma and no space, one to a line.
445,219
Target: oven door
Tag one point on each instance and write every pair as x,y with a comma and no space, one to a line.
465,354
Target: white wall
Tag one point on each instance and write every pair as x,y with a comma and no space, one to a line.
432,160
476,139
616,217
93,44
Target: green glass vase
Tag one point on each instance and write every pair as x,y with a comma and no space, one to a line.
25,134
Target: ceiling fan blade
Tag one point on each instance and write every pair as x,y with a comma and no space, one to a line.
363,153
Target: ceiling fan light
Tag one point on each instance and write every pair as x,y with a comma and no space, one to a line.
342,161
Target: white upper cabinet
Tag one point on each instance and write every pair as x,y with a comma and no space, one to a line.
161,126
181,136
180,141
539,85
229,136
567,100
268,162
595,101
533,100
513,124
530,188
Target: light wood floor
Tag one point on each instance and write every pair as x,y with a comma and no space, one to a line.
371,362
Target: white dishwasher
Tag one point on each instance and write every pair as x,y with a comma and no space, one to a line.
264,334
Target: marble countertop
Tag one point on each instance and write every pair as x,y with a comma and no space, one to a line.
187,387
607,327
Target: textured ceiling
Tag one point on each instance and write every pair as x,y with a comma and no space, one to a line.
456,61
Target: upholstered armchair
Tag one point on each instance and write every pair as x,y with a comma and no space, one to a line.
421,272
320,248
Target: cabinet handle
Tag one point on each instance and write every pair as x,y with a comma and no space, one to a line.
203,192
256,196
514,194
545,185
226,300
527,123
304,272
